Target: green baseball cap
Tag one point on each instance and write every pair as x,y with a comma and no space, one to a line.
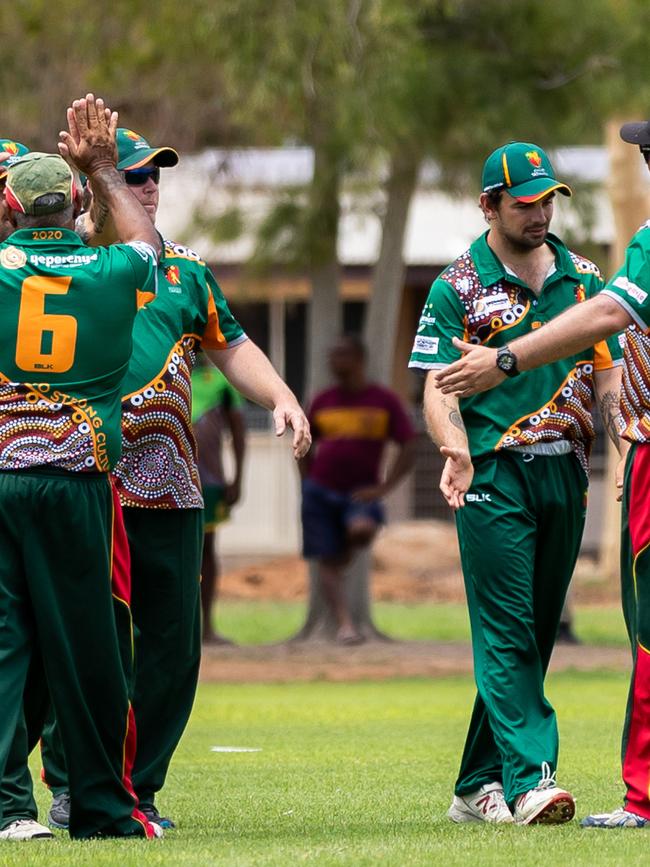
134,151
36,175
523,170
15,149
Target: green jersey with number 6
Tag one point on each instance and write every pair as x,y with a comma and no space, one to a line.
65,343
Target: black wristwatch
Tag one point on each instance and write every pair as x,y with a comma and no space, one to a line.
507,361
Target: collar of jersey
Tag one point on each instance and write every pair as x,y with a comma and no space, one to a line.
25,237
491,270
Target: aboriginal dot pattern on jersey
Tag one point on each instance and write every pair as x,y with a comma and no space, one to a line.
488,309
635,389
36,429
158,465
565,417
584,266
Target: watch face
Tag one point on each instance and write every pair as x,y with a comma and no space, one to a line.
506,361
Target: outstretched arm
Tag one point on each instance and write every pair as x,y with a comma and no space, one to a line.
447,430
578,328
252,374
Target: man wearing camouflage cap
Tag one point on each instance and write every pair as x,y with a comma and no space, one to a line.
59,437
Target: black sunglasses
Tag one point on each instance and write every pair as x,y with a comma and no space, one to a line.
139,177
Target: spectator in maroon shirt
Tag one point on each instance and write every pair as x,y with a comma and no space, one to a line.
341,490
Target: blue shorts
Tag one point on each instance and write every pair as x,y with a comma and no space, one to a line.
326,515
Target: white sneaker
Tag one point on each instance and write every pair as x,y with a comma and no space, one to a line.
620,818
546,804
486,804
157,830
25,829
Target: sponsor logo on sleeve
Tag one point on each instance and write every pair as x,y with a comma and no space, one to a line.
426,345
631,289
145,251
426,320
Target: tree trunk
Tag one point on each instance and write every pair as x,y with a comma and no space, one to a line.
320,624
324,315
379,333
630,202
382,313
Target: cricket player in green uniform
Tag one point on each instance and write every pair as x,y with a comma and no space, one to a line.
158,483
624,303
516,474
62,570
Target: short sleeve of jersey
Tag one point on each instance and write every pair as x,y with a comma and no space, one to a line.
143,260
443,318
222,330
607,353
631,283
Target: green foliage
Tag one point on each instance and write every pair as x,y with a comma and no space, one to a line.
222,228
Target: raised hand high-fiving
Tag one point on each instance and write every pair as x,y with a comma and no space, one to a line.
89,144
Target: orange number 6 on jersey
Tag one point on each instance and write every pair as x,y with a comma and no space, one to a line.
45,341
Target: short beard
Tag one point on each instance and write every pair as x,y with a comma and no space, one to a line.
521,243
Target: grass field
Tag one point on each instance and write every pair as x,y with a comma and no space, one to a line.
359,774
265,622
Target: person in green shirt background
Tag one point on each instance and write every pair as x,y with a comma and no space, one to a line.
516,475
215,405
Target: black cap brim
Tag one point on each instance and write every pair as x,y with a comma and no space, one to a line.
637,132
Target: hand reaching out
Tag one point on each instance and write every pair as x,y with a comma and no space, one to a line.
457,475
291,415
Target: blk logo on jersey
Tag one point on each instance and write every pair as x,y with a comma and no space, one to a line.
478,498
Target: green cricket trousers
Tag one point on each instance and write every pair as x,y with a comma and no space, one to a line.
166,547
62,578
519,536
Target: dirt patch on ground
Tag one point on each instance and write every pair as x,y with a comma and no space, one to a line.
412,562
279,663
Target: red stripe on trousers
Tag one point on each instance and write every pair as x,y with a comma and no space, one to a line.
639,509
636,762
121,587
121,577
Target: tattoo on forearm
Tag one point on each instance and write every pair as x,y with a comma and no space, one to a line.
454,416
611,416
99,214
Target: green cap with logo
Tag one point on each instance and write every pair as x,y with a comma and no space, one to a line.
523,170
15,150
134,151
36,175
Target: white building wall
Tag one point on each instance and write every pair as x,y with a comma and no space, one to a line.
267,519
